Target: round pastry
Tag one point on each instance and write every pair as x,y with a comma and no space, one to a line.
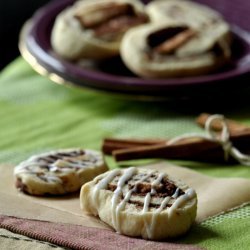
184,12
58,172
141,203
161,50
93,28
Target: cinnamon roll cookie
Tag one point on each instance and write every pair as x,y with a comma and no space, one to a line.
58,172
141,203
163,50
93,28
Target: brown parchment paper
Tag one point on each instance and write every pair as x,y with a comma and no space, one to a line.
215,196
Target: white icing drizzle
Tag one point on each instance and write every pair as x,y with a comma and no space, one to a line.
146,203
190,194
47,165
150,227
152,192
118,204
27,167
157,182
163,204
105,181
122,204
53,178
102,184
128,173
61,165
175,195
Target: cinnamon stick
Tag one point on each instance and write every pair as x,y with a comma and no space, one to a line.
188,149
111,144
232,125
179,151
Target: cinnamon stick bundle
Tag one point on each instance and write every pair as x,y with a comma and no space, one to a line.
187,149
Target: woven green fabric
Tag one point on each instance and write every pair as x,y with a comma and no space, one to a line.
37,115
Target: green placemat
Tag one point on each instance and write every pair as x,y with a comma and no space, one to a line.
37,115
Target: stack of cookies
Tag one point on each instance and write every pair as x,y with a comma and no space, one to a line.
174,38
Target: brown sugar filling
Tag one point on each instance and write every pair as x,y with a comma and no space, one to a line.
164,189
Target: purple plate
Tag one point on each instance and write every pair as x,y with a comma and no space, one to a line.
113,77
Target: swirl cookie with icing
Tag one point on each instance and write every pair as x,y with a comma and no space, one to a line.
93,29
141,203
58,172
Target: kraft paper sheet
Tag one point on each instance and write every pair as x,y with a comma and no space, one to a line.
215,196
